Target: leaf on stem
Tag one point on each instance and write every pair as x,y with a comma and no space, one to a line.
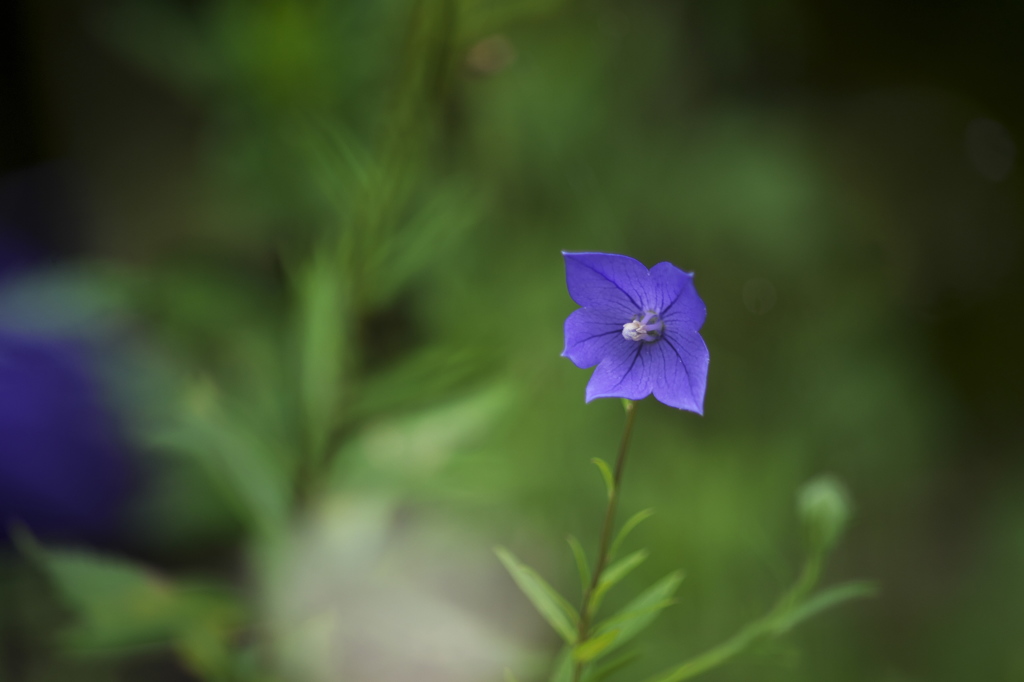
121,606
769,625
615,665
323,307
641,611
634,521
615,573
606,474
548,602
244,464
821,601
626,616
564,666
594,647
581,561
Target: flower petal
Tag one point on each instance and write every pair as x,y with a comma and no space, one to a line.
623,375
678,364
681,308
606,281
592,335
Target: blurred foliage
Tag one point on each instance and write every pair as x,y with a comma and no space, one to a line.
321,264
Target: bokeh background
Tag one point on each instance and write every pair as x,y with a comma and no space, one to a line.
280,318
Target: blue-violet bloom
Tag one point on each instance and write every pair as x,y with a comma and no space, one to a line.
639,327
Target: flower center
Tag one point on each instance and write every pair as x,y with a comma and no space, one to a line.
646,327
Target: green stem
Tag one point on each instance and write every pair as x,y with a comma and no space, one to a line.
804,584
763,627
606,535
712,658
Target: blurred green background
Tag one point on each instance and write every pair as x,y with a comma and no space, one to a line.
327,234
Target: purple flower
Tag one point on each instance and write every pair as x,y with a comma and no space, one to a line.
639,327
63,466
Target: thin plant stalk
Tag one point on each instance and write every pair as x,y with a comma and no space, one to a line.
606,534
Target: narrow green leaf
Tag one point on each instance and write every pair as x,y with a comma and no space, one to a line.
634,521
245,465
641,611
321,336
551,605
606,474
615,665
615,573
626,616
208,651
564,666
763,627
714,657
821,601
120,605
581,561
594,647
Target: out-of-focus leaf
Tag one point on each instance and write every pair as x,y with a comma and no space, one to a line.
122,606
634,521
606,474
323,311
615,573
551,605
414,445
250,665
510,676
563,668
342,169
823,600
444,216
206,651
641,611
613,666
594,647
421,379
581,561
250,477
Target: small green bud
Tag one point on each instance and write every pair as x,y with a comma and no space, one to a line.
824,506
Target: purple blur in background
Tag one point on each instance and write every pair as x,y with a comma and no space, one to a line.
63,462
62,465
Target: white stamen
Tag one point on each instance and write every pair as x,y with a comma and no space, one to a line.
646,327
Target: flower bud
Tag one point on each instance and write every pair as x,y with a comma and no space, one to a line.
824,507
